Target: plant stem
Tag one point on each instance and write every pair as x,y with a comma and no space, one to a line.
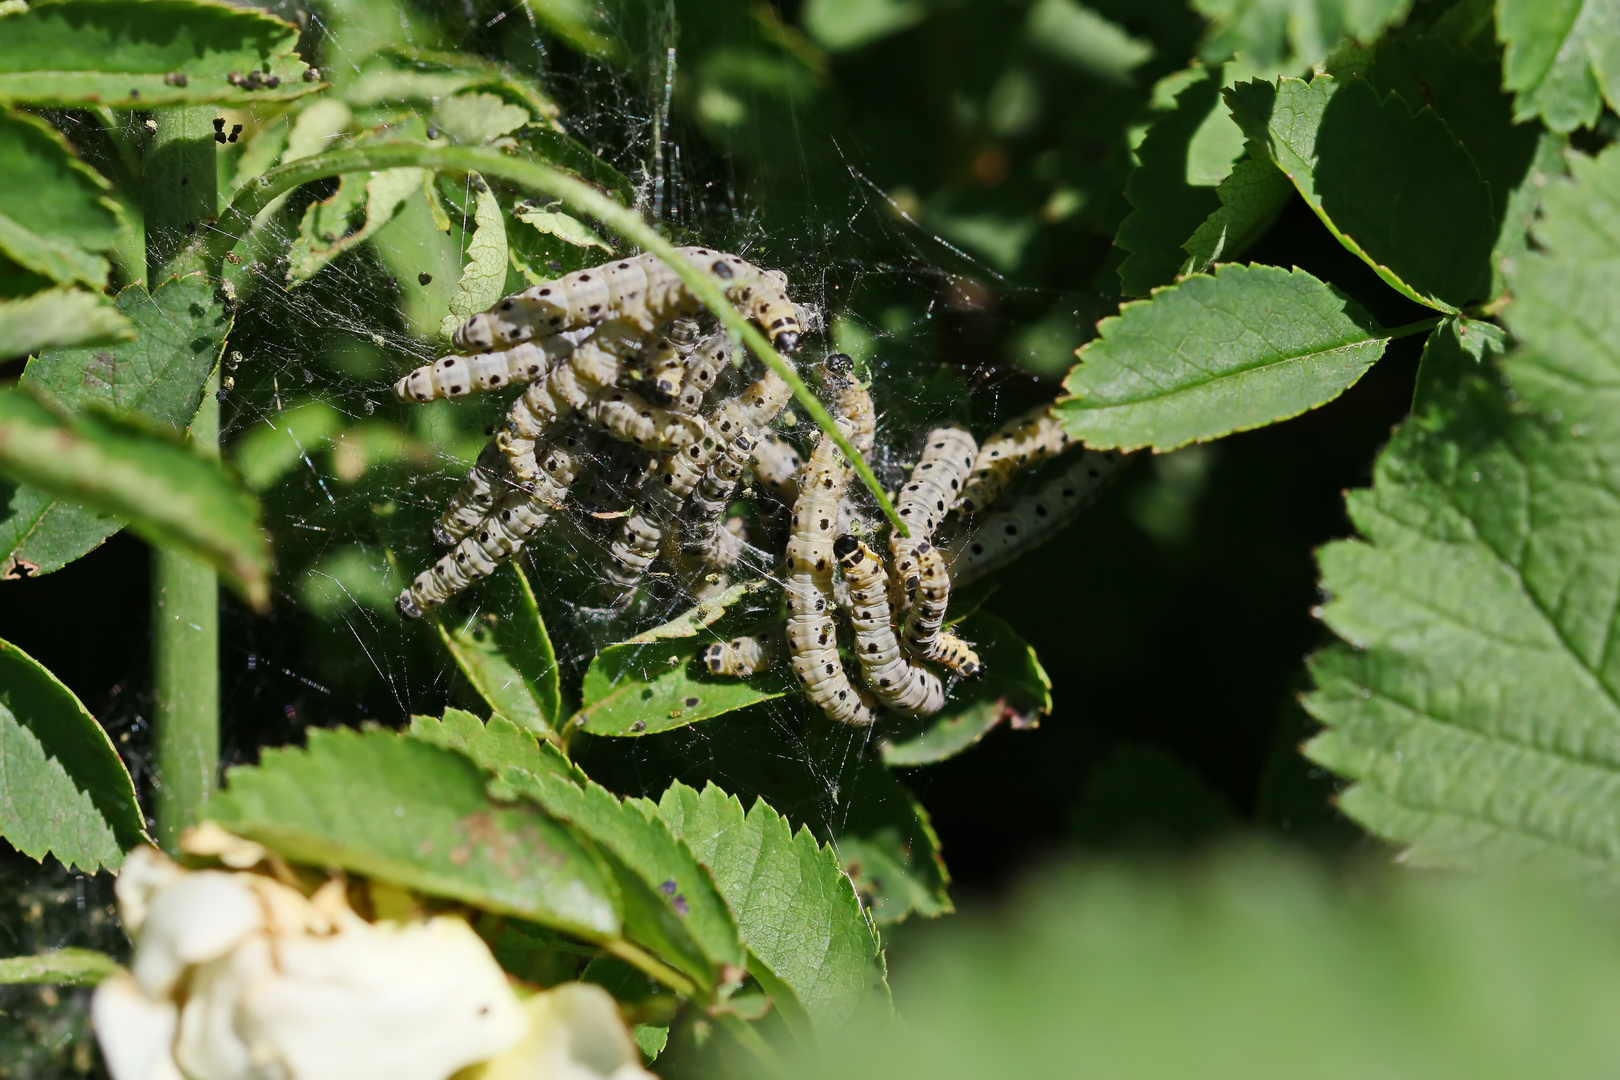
1422,326
580,198
651,965
181,197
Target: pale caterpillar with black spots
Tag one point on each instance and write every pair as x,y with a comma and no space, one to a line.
811,632
743,656
642,290
947,455
1020,443
997,539
896,680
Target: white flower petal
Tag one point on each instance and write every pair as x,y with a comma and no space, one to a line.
136,1033
146,872
391,1002
575,1033
196,919
209,1047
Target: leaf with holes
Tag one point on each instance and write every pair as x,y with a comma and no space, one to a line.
484,276
1389,180
136,54
402,810
63,788
1239,349
796,909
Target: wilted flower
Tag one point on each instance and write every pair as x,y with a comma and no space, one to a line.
239,977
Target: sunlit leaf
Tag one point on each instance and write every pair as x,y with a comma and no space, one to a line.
1562,59
55,216
506,654
59,319
484,276
63,967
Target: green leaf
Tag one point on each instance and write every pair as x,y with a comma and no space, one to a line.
147,53
329,228
1290,35
1562,59
1077,34
63,788
1014,688
1524,206
839,25
64,967
653,681
1255,964
166,493
1565,301
797,911
59,319
180,334
484,277
400,75
1168,203
1243,348
565,228
1251,197
507,656
270,450
494,747
475,119
1395,188
401,810
671,904
354,575
55,216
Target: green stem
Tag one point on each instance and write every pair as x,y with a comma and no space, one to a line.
1422,326
580,198
181,197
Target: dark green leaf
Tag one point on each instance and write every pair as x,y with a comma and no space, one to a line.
1169,204
1243,348
59,319
401,810
1396,188
55,217
1562,59
1014,688
795,908
1290,35
848,24
1524,205
1255,965
166,493
40,532
1251,197
507,656
64,967
1077,34
145,53
63,788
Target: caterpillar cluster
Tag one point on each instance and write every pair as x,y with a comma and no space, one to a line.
615,368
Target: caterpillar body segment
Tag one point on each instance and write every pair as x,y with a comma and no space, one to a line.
1020,443
852,401
811,633
458,376
705,365
488,481
929,599
946,459
643,290
956,654
735,428
896,680
743,656
776,467
499,536
1029,522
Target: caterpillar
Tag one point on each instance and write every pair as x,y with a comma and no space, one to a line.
660,366
776,467
586,383
947,456
488,481
1034,519
812,636
852,401
502,534
661,498
897,681
736,431
1023,441
931,595
458,376
642,290
743,656
708,359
